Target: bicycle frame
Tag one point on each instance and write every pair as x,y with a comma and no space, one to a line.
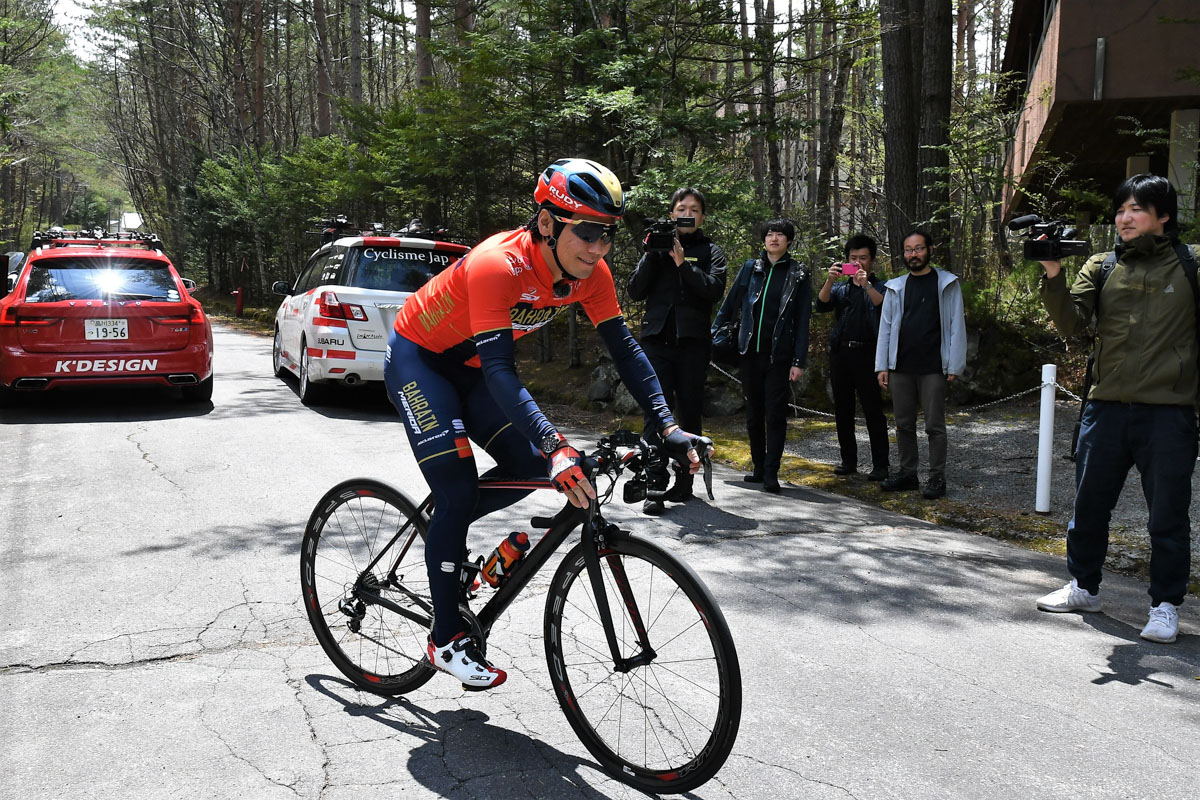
558,528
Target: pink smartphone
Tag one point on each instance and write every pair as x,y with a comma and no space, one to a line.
849,269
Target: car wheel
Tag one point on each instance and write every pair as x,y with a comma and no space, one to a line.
277,355
311,393
200,393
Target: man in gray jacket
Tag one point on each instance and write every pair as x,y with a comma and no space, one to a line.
922,345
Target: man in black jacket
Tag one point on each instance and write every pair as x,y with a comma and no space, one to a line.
680,288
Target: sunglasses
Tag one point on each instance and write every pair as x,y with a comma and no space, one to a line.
589,231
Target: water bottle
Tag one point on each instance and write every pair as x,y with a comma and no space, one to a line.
503,557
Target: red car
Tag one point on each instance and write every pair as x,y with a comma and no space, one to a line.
102,310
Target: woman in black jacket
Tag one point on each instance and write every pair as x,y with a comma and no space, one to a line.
771,298
680,287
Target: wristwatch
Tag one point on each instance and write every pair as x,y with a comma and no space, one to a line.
552,442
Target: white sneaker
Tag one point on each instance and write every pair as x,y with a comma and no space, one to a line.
462,659
1163,626
1070,598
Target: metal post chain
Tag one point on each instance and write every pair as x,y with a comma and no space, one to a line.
1037,388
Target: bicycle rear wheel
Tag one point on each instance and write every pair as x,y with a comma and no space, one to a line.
356,609
667,721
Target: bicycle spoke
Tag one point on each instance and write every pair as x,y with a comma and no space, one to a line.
669,721
378,649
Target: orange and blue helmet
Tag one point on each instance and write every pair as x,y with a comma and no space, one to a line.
580,186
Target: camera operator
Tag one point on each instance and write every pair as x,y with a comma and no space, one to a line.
680,287
1141,408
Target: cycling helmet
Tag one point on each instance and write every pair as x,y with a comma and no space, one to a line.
580,186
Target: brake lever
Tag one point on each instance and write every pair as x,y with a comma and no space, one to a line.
704,447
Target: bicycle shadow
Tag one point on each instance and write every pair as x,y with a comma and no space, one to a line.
460,754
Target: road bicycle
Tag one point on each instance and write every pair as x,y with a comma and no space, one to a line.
640,656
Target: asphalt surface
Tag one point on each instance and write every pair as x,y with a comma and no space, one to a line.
153,644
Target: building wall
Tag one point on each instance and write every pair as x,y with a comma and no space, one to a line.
1142,60
1143,55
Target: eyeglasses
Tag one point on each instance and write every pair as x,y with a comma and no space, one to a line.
912,251
589,231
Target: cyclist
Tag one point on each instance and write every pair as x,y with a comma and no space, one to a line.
451,374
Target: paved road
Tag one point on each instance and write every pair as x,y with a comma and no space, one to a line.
152,643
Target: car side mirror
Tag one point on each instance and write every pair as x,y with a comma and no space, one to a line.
189,284
279,287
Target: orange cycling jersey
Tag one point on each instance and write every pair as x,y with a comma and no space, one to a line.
502,284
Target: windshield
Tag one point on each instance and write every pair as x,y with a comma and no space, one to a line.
55,279
397,269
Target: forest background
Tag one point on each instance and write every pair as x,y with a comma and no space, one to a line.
235,127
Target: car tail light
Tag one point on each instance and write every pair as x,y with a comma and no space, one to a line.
9,318
8,314
328,305
196,315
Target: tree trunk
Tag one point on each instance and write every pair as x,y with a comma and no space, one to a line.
899,123
324,84
260,115
756,148
356,93
421,35
937,79
831,142
766,49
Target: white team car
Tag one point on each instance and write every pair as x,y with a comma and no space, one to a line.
334,324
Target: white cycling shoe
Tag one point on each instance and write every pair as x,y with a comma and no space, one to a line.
462,659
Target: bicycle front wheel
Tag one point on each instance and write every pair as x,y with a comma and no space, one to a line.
665,718
365,585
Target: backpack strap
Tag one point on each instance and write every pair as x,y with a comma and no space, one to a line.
1110,261
1188,259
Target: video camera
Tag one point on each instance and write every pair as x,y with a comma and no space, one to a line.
1058,239
660,234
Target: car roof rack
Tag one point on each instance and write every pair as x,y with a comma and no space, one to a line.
98,237
340,226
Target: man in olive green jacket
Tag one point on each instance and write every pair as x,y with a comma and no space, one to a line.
1141,409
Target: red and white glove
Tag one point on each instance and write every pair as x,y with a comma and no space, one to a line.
564,466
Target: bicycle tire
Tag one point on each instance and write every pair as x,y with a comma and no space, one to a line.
386,652
693,686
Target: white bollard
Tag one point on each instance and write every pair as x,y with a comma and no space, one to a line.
1045,440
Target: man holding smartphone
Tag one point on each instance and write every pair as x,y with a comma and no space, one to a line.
680,287
855,303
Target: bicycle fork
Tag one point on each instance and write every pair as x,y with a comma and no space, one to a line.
595,537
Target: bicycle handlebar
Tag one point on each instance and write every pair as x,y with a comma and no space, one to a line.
608,458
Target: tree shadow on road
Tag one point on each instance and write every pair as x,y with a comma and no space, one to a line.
458,753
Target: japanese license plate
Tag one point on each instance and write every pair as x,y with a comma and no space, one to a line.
105,329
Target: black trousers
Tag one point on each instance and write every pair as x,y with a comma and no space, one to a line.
1161,442
681,368
765,386
851,372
